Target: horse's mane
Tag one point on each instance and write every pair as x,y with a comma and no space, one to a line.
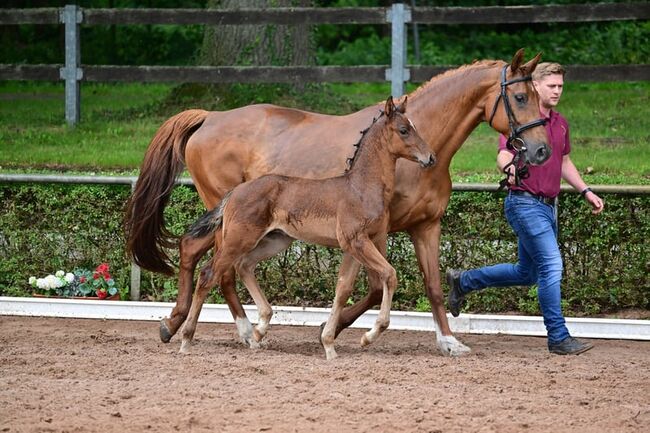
421,89
357,146
459,70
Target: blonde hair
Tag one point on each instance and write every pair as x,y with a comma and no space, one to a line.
547,68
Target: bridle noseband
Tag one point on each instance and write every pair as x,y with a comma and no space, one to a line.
521,171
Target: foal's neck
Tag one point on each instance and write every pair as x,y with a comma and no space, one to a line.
373,167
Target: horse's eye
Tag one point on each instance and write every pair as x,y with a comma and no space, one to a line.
521,98
403,130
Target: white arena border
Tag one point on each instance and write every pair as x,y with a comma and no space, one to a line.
218,313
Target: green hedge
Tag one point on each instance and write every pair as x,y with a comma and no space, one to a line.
44,228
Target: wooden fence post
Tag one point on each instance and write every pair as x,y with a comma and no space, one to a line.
71,16
398,15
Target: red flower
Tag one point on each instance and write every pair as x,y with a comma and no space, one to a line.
101,294
82,279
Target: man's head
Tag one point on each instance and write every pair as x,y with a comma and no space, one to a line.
548,79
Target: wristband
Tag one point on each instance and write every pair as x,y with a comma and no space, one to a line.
585,191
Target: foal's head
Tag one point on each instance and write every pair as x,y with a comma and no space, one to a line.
404,140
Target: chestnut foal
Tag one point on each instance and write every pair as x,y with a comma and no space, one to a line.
349,211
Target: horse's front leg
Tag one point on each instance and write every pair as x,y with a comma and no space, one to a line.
426,240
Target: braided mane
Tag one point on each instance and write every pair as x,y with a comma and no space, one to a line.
350,161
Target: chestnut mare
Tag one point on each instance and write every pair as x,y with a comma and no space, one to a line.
348,211
224,149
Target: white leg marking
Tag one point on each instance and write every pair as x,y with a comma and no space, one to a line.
448,344
245,330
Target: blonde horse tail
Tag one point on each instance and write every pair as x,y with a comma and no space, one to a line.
144,225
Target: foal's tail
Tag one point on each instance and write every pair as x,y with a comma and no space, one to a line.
210,221
146,234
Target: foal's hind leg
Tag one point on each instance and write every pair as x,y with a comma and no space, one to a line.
207,279
269,246
344,285
370,256
191,251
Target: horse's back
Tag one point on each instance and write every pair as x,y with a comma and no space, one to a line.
244,143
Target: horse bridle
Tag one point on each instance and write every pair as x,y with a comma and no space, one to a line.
521,171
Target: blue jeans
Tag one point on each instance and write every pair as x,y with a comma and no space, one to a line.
539,261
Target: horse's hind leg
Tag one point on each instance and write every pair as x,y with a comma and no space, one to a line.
347,274
191,251
269,246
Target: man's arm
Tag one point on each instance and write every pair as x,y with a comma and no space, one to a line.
504,158
571,175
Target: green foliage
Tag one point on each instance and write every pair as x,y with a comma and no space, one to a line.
44,228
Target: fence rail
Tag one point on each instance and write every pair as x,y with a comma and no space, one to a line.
368,15
398,15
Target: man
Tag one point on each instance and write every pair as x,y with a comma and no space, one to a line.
530,211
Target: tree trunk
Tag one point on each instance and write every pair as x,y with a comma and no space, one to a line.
257,45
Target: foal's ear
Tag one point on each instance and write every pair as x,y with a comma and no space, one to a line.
529,67
389,109
402,107
516,60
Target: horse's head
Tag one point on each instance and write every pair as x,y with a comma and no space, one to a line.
405,141
514,110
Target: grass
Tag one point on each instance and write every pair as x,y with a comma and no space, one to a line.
610,137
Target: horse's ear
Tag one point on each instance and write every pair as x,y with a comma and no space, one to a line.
517,59
402,106
389,109
529,67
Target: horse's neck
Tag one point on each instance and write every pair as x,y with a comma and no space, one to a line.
373,168
448,108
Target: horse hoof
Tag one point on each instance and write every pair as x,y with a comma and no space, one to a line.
165,333
364,341
450,346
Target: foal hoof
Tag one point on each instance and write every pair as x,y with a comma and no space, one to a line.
320,334
165,334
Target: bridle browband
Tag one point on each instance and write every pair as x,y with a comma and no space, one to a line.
521,171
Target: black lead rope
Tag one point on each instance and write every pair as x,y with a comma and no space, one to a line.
521,171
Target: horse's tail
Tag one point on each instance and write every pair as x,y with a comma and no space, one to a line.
144,225
210,221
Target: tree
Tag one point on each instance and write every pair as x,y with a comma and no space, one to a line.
257,45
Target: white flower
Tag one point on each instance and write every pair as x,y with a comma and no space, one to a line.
32,281
41,283
59,274
69,277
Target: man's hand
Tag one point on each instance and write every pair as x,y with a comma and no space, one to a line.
595,202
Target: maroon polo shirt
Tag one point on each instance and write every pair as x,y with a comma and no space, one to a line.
545,179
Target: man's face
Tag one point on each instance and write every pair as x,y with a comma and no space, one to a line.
549,89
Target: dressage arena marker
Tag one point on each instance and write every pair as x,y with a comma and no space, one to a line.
624,329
